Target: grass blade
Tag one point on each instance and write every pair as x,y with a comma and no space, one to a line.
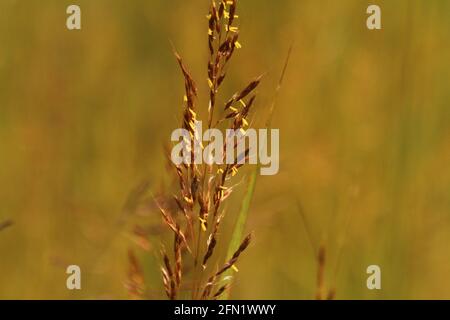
239,227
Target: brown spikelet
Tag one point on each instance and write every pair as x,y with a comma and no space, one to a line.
178,259
236,255
181,206
211,242
221,9
212,281
220,291
232,12
251,86
170,222
168,276
320,272
166,282
189,81
135,283
166,261
245,92
208,287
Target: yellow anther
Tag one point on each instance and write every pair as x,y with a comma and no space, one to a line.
202,223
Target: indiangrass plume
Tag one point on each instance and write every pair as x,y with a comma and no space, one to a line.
193,212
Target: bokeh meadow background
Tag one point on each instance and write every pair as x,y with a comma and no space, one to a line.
365,143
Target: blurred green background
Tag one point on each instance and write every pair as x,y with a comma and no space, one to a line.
365,142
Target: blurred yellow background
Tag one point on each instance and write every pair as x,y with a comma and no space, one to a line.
365,142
